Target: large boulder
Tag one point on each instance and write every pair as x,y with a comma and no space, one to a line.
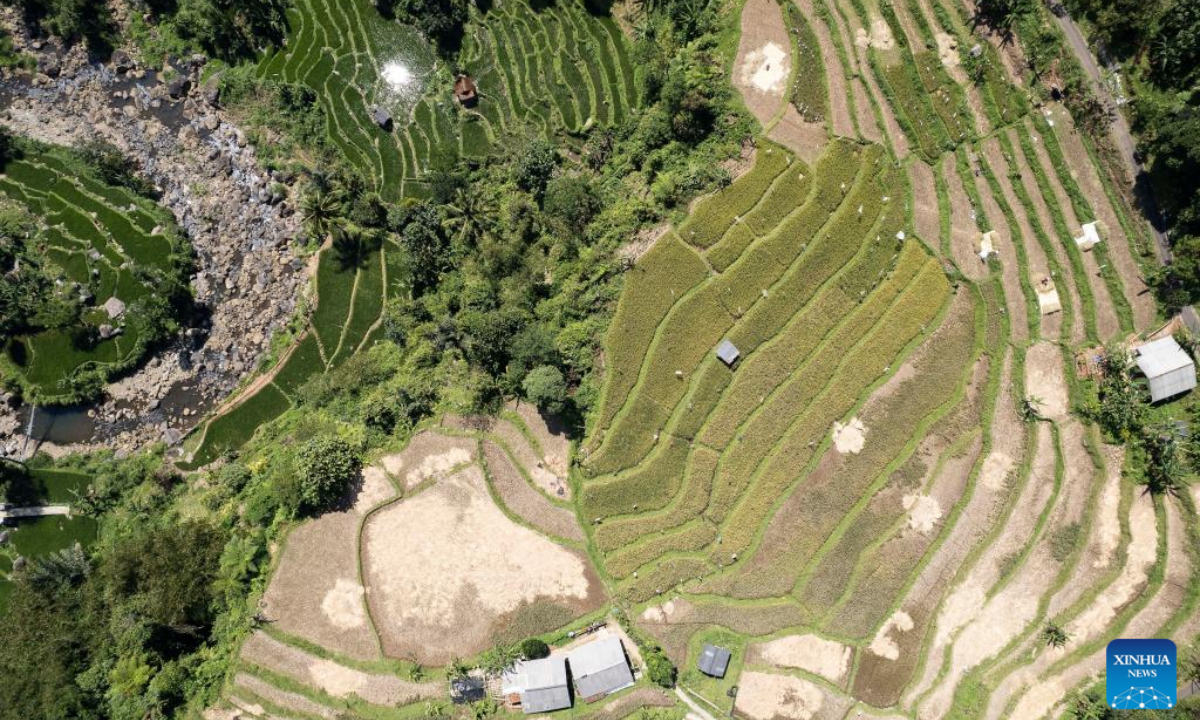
121,61
114,307
178,87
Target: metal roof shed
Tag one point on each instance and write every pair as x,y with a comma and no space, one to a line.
540,684
728,353
714,661
1167,366
600,668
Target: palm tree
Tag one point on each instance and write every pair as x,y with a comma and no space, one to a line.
322,206
469,219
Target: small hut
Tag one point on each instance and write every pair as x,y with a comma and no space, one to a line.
1090,237
464,91
1168,368
714,661
382,118
600,668
728,353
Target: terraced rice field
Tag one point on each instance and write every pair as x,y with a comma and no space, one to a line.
109,242
858,507
352,622
557,69
352,287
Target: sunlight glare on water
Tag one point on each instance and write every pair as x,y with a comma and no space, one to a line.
396,75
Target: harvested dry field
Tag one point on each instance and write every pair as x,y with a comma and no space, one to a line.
446,565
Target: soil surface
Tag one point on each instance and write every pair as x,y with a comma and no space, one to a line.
463,565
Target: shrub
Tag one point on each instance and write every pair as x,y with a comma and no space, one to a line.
546,388
325,466
534,649
659,667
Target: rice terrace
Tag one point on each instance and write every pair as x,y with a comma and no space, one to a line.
652,359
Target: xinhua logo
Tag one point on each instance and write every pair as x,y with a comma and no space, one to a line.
1141,675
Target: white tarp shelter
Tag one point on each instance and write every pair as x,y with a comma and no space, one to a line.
987,245
1167,366
1090,237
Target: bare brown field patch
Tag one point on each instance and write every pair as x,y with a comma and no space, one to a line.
551,437
806,139
445,566
331,677
673,622
1046,381
811,653
281,698
524,500
429,455
767,696
528,457
878,37
964,231
926,216
315,592
764,59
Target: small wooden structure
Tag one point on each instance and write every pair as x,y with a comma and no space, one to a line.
465,91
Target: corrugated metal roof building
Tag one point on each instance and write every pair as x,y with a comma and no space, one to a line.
600,668
728,353
714,661
1168,368
539,685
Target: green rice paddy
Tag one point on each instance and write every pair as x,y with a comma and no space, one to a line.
558,69
109,242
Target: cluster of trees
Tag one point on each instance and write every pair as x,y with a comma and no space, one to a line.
441,21
228,29
1162,455
143,624
512,259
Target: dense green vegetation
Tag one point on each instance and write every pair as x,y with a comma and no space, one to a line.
76,234
496,280
229,29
